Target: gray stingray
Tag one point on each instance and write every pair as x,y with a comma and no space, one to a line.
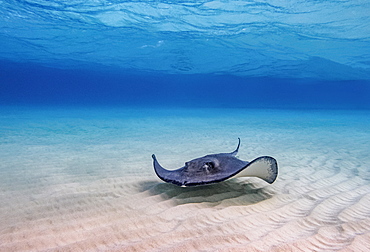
215,168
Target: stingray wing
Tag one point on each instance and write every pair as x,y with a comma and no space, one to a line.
264,167
174,177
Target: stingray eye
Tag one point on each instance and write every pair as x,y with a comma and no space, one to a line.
209,165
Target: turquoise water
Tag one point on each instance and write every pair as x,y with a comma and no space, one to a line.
84,144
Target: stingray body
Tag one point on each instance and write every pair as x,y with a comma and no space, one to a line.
215,168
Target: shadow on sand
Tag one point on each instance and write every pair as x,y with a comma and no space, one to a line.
231,192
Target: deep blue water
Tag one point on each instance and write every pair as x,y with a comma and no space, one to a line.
259,54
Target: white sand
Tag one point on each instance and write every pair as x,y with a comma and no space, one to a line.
82,180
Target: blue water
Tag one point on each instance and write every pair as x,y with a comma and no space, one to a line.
260,54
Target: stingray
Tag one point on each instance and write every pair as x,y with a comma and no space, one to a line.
215,168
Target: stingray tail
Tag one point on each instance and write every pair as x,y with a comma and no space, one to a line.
235,152
265,168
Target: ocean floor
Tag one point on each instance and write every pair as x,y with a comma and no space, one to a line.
81,179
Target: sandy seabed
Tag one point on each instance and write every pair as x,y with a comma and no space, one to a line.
81,179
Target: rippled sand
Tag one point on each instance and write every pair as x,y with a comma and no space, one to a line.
82,180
